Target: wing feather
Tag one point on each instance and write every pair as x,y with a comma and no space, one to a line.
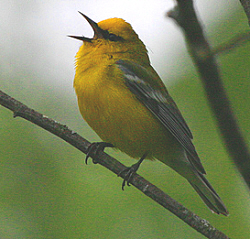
162,106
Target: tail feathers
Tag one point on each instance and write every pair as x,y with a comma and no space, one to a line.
208,195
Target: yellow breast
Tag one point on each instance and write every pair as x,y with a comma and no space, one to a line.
116,115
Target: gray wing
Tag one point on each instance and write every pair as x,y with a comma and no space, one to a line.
162,106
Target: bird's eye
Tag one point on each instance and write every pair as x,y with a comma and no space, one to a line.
113,37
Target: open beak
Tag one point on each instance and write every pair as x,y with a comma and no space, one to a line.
98,32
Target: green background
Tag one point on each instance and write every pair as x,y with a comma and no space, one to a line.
46,190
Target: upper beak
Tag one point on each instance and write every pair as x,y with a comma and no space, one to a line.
98,32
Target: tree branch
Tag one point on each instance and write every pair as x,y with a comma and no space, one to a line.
63,132
246,6
232,44
185,16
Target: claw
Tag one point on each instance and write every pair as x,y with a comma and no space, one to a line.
95,148
130,171
90,150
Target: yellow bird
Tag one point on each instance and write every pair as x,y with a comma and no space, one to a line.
125,102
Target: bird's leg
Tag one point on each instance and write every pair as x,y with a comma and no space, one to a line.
129,171
95,148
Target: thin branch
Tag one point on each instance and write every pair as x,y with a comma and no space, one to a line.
232,44
246,6
185,16
63,132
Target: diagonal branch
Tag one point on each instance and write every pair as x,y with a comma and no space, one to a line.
237,41
63,132
185,16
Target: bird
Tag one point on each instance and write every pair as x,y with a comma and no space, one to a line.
125,102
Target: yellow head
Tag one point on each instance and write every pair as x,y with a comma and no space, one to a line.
113,39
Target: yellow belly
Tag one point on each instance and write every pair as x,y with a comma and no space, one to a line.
118,117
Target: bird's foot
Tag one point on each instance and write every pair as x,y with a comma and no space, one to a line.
130,171
94,149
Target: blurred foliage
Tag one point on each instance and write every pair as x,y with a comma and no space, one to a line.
48,192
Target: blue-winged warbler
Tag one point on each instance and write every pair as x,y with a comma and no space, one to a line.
125,102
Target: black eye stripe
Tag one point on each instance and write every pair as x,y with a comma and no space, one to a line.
113,37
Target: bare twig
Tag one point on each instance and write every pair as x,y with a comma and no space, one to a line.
63,132
246,6
185,16
232,44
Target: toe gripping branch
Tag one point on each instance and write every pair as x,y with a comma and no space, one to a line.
94,149
130,171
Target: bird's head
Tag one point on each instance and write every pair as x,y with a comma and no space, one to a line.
115,37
